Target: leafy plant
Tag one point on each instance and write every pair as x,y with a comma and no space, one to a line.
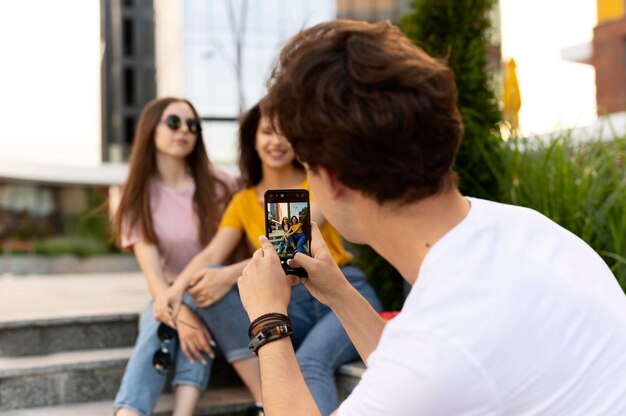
385,280
458,32
581,186
80,246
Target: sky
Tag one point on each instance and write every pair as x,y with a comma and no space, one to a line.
49,79
556,94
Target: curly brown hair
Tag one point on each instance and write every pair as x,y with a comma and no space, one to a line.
360,99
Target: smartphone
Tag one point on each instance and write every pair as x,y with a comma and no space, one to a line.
288,225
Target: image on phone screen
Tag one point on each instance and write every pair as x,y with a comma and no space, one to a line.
288,224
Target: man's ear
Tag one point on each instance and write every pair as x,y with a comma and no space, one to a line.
329,178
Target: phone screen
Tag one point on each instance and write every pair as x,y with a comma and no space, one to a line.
288,224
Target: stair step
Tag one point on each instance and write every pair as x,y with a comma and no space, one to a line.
49,336
228,401
348,376
76,377
61,378
49,314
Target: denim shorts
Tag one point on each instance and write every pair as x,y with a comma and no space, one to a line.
142,385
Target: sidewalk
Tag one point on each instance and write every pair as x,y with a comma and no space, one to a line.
71,295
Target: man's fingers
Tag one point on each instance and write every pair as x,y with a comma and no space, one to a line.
257,255
266,246
293,279
301,260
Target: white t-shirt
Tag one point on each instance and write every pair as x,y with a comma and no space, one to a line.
510,315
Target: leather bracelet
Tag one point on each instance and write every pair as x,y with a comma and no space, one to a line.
268,325
263,319
268,335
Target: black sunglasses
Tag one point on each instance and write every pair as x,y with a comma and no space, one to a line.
174,122
161,359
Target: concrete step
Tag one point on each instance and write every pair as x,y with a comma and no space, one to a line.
227,401
49,336
76,377
49,314
61,378
348,376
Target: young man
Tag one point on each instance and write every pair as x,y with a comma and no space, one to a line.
509,313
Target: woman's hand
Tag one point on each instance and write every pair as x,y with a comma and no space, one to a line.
167,304
209,285
194,337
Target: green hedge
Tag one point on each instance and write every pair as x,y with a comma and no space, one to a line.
579,185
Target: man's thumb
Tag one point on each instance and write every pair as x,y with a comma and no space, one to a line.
302,260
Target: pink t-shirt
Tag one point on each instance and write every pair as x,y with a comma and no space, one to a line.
175,224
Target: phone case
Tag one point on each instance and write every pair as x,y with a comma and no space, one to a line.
291,236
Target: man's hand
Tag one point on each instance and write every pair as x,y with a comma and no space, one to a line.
193,336
325,279
209,286
263,286
166,305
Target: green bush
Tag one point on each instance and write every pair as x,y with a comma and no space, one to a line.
80,246
459,33
385,280
581,186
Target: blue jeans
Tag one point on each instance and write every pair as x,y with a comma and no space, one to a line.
298,239
142,385
321,343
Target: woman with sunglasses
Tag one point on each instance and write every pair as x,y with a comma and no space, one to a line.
267,161
169,209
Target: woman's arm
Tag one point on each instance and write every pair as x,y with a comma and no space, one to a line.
210,285
216,252
147,256
194,338
167,304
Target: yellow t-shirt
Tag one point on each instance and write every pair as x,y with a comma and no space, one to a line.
246,213
296,228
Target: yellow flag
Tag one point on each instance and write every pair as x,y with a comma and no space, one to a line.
511,95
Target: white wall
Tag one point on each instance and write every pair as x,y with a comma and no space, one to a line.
169,47
50,81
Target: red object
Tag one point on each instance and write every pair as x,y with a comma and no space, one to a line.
388,315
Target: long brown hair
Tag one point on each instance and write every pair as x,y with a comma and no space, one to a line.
134,206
